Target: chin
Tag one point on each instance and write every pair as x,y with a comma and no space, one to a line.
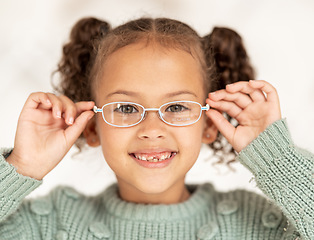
153,186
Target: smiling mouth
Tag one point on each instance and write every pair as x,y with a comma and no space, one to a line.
157,157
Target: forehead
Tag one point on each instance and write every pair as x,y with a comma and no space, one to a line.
150,71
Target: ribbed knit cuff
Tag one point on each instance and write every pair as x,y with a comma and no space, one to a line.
269,146
12,184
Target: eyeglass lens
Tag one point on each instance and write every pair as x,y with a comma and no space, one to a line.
181,113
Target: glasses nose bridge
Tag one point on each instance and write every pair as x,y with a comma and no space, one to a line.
151,110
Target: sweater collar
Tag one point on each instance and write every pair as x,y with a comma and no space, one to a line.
199,201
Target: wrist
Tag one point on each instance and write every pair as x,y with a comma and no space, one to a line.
21,168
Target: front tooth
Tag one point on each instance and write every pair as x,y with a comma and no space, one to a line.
153,158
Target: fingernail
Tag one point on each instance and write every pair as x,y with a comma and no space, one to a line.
48,101
71,120
212,93
58,114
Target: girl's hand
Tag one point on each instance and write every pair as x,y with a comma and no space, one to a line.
254,104
47,128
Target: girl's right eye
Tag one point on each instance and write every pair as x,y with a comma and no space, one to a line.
126,109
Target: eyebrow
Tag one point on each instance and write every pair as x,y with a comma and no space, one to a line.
133,94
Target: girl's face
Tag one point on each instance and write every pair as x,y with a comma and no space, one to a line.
151,76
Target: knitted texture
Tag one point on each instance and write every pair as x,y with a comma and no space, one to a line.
285,173
281,170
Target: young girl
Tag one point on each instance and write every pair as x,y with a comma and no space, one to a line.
149,80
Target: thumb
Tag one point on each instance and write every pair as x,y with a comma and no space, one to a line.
222,124
73,132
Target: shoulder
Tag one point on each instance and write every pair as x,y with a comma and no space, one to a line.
236,194
247,206
62,199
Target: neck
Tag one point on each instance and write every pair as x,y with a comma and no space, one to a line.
174,194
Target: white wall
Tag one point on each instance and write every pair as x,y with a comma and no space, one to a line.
278,34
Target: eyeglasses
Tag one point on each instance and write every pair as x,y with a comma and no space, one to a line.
128,114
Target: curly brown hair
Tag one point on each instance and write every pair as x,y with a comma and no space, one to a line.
231,60
221,54
232,64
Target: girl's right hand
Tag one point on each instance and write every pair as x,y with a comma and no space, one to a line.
47,128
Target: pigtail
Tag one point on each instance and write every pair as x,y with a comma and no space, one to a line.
225,50
230,57
78,58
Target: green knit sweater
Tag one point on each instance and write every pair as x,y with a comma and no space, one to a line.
282,171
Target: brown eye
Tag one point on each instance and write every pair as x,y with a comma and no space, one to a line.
176,108
126,109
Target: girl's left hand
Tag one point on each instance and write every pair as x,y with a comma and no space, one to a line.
254,104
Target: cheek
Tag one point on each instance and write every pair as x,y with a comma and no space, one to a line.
190,137
113,141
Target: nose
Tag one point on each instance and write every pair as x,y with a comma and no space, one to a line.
152,127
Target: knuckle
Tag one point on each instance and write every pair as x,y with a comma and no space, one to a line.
52,97
65,98
37,96
34,94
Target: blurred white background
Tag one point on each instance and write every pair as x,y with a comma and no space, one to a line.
279,36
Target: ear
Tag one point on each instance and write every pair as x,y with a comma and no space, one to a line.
90,133
210,132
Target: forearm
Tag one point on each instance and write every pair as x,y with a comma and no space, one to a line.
285,174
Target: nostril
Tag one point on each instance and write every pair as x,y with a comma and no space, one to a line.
150,136
151,127
151,133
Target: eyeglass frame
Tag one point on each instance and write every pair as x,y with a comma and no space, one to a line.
145,110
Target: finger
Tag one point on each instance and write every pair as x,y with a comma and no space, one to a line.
84,106
57,106
271,92
241,99
68,109
244,87
73,132
222,124
230,108
37,99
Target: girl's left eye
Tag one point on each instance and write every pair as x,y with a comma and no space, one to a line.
176,108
